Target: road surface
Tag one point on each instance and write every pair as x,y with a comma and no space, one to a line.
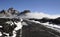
38,30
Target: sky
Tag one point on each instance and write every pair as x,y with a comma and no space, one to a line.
46,6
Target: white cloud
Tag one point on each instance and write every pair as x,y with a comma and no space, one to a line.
39,15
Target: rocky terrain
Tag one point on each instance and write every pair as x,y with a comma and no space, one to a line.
31,30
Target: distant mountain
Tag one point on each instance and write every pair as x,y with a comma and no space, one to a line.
11,12
24,12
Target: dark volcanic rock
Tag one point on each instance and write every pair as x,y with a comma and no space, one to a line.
7,28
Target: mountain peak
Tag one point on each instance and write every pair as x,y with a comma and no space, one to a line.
24,12
10,12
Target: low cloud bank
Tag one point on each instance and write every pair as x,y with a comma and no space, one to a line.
38,15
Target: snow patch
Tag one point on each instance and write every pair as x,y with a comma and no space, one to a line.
19,25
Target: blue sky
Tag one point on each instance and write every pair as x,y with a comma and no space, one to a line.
46,6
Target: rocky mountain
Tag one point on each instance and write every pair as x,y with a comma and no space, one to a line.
8,13
11,12
24,12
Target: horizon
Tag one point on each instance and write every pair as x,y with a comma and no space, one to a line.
45,6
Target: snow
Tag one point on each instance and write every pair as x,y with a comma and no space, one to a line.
6,34
14,34
24,23
10,22
0,34
19,25
0,26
